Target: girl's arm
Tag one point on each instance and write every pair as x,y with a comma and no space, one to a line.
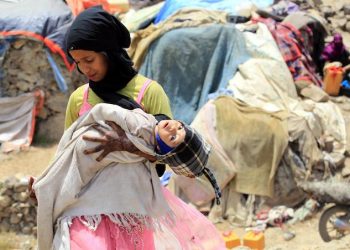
113,140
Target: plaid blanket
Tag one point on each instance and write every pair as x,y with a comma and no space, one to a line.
292,46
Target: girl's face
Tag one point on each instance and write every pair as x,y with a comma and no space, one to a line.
92,64
171,132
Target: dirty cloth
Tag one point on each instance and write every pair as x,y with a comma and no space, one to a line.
200,62
247,146
264,81
291,44
143,4
142,39
17,120
229,6
133,20
76,184
286,190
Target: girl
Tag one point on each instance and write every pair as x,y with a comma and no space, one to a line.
119,203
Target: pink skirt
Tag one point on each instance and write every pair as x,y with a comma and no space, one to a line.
192,230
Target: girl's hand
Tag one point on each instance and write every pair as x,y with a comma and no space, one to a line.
110,141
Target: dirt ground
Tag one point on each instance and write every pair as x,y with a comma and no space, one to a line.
35,160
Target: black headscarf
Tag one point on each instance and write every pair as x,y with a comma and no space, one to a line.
97,30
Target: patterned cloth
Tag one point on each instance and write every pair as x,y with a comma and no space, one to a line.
190,158
292,47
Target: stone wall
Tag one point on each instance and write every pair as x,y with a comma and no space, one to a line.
26,67
17,211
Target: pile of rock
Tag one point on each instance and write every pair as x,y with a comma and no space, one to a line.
26,67
17,211
338,15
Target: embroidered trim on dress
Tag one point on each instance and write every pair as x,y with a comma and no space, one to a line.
129,221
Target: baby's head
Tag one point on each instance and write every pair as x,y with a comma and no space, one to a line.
184,150
169,134
180,145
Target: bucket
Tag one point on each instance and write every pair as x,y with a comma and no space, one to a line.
332,79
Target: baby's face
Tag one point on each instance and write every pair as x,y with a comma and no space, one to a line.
171,132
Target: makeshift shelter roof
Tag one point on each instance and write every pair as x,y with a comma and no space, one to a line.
230,6
44,20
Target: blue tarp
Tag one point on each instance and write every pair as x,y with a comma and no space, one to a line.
230,6
191,63
48,18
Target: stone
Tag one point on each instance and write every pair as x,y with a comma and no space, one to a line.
16,218
22,185
28,217
340,15
35,230
4,226
27,230
24,86
347,27
24,205
338,23
346,170
5,201
342,23
338,6
327,11
53,128
58,103
10,182
346,9
287,236
15,227
9,192
22,196
19,44
14,208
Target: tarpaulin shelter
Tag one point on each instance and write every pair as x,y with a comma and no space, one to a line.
43,20
230,6
17,120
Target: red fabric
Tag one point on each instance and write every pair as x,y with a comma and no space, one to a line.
78,6
39,95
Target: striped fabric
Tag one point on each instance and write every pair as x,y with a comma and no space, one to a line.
190,159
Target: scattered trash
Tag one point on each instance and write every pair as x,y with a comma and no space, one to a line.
231,239
254,240
165,178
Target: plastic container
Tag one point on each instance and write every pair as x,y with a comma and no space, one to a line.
255,241
231,240
332,80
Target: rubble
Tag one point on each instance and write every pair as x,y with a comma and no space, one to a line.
17,211
337,15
